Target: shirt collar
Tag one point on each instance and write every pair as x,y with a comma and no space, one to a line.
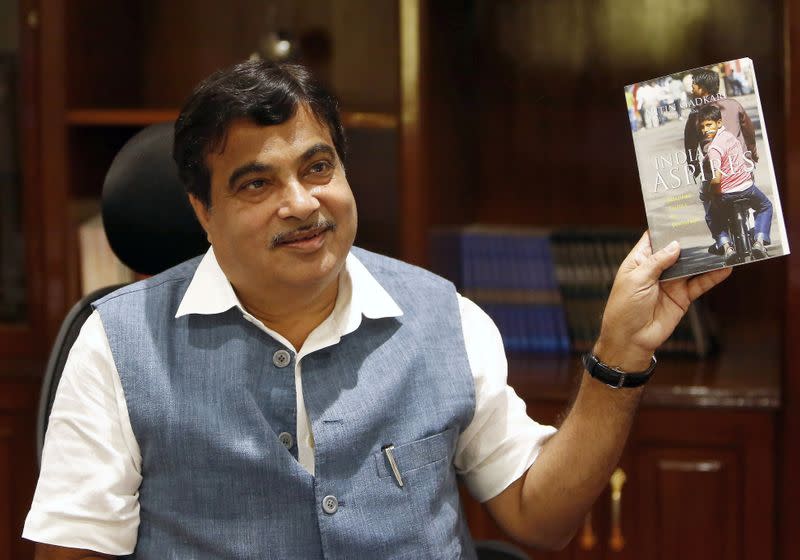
210,293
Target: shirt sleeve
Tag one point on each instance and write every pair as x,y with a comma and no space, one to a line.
87,495
501,442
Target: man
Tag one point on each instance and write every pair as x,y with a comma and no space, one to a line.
648,100
705,89
289,396
678,95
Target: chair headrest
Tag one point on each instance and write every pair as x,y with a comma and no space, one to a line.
148,220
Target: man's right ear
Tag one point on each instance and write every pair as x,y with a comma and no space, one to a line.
201,211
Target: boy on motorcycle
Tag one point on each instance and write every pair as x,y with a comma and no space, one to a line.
731,172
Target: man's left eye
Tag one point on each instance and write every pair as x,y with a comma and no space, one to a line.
320,167
254,185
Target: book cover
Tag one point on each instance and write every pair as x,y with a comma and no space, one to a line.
705,167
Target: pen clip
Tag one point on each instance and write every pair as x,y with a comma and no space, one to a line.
388,450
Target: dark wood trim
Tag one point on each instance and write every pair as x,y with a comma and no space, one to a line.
413,149
119,116
788,490
123,116
360,119
17,340
52,190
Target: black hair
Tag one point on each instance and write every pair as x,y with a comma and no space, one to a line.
708,112
706,79
265,93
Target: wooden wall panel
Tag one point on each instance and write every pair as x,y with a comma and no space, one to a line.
18,398
6,492
788,481
101,52
556,147
184,41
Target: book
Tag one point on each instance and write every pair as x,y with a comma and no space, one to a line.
707,176
509,272
99,266
546,290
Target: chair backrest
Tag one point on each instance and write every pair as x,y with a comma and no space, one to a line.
148,220
150,225
499,550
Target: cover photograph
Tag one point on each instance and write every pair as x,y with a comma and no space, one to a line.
705,168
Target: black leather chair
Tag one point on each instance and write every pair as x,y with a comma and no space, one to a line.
151,227
499,550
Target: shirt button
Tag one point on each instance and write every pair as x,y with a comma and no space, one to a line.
286,439
281,358
330,504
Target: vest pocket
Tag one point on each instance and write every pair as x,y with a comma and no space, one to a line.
417,454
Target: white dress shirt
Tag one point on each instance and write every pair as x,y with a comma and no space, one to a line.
87,494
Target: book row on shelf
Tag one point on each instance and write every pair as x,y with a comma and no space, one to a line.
546,289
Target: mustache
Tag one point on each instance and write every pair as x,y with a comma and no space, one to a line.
322,224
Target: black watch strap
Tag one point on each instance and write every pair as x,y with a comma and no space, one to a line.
614,377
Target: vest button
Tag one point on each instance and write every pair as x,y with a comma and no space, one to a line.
330,504
281,358
286,439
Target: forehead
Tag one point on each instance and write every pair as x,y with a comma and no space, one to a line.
278,144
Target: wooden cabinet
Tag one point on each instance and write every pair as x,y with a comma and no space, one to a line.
19,392
698,484
702,484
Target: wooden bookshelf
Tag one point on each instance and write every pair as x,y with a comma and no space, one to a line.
458,114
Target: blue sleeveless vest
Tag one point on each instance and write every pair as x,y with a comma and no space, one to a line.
208,398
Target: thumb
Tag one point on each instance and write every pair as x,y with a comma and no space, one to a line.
661,260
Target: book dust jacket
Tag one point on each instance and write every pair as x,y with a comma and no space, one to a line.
707,176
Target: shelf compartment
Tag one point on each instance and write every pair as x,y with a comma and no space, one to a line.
93,116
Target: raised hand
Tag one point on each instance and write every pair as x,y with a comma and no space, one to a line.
642,312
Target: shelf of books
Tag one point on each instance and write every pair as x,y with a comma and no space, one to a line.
546,290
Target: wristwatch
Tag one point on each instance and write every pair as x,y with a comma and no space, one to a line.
615,377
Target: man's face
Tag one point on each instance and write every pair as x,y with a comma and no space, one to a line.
708,128
282,214
698,90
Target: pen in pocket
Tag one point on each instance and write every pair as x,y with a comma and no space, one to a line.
388,450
